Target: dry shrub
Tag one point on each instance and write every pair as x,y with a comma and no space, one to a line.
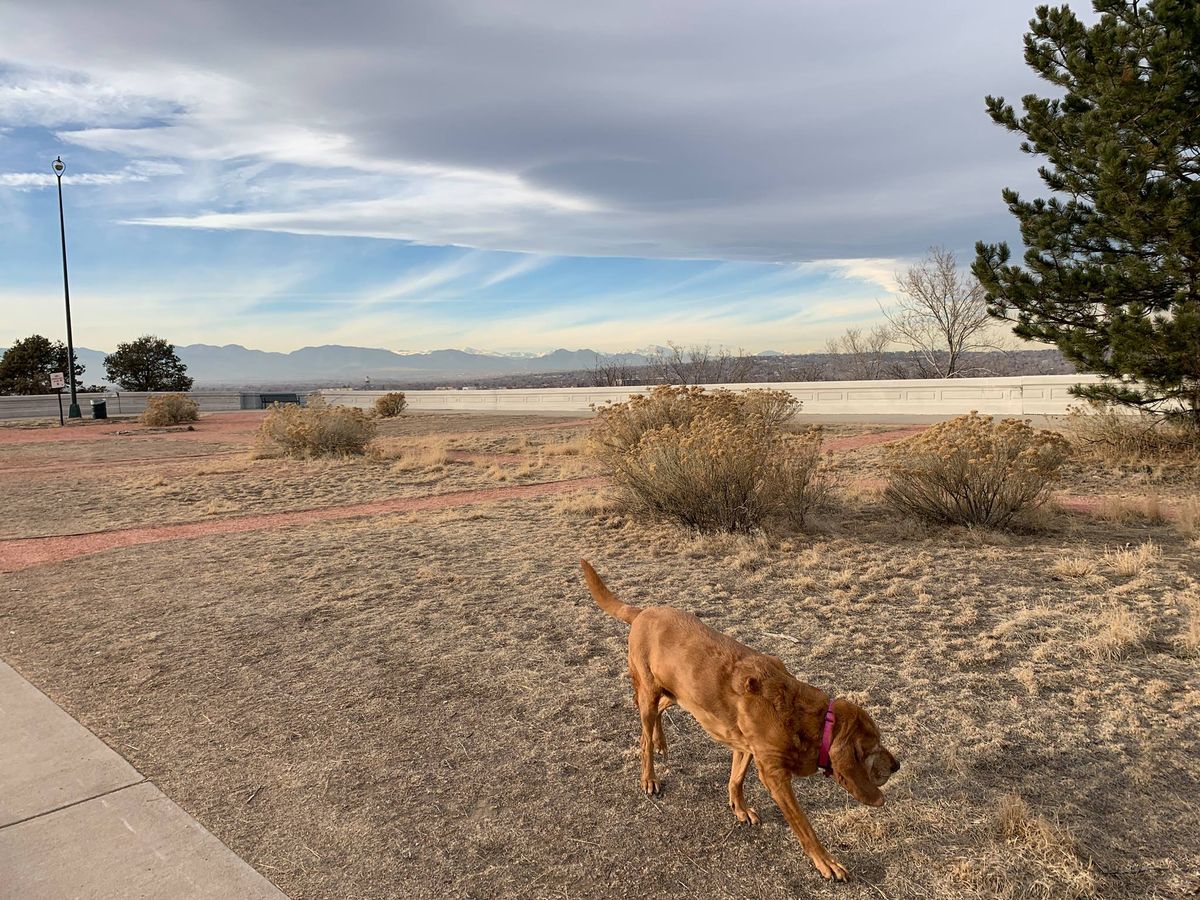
620,427
1027,856
1130,562
1130,438
317,429
715,461
169,409
1118,633
973,471
390,405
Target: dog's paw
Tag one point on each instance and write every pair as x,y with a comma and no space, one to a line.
745,814
831,869
650,786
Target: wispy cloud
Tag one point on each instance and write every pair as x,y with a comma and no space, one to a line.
877,271
142,170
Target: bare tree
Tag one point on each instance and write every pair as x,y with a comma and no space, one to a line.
864,353
941,314
611,371
701,365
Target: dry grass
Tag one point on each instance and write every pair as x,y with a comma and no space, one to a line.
1130,562
1120,438
1187,518
1190,637
184,491
1029,856
429,454
1147,510
403,691
588,505
169,409
1118,633
570,446
1074,567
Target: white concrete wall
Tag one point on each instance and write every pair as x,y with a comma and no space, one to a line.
45,406
1024,395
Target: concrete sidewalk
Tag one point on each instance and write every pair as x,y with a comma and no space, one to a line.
77,821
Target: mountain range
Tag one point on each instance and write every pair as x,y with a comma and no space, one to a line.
234,365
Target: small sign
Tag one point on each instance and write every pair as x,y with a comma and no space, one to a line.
57,380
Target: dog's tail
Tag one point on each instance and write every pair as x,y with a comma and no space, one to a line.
603,596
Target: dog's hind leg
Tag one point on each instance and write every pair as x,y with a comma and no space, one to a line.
648,708
646,695
737,775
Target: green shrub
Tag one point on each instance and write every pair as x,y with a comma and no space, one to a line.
715,461
317,429
973,471
390,405
169,409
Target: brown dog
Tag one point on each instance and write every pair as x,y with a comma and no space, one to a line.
749,702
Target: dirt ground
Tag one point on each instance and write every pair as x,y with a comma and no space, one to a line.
430,705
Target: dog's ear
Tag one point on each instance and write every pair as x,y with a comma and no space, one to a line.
757,675
847,754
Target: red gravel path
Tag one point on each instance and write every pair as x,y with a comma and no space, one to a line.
24,553
858,441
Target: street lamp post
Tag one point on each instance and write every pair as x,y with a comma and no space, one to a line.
73,412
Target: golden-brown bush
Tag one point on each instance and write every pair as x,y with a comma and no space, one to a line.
169,409
317,429
973,471
714,461
390,405
1124,438
619,427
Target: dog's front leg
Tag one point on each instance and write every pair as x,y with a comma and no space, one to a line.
779,783
737,774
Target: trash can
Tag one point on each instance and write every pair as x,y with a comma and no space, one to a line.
99,409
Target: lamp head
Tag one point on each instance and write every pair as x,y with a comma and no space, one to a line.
59,166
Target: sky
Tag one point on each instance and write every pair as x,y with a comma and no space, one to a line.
513,176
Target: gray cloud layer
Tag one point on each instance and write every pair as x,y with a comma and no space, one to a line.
770,131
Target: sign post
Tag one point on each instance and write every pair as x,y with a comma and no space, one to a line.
57,382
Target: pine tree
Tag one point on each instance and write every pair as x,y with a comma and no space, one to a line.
1112,266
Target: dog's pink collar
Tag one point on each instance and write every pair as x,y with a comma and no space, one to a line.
823,761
